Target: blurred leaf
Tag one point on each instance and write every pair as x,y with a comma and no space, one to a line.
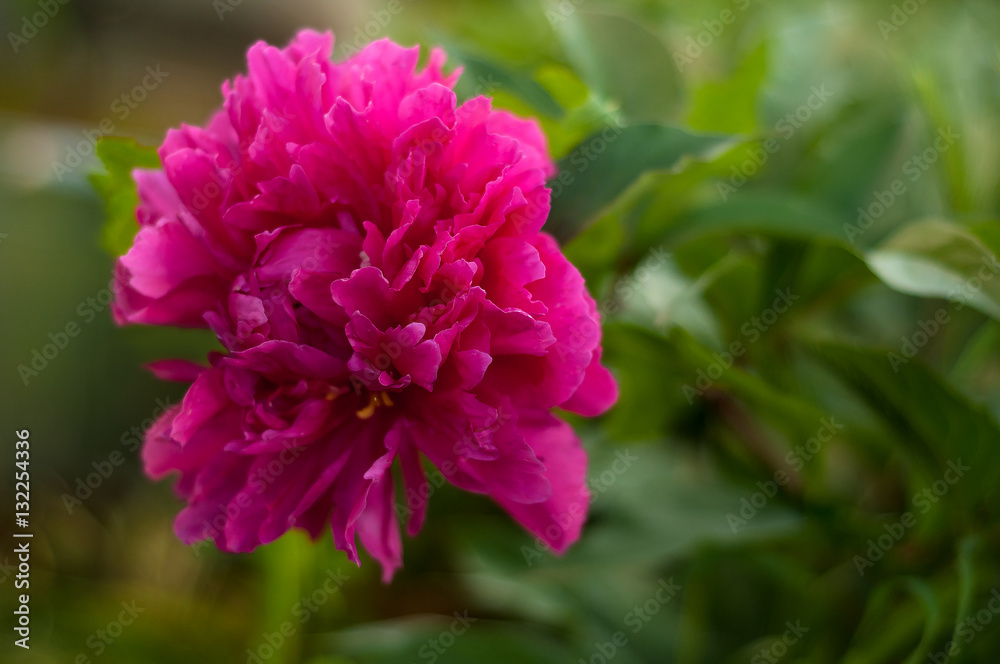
650,376
783,262
989,234
444,639
120,156
891,627
860,153
940,259
623,62
730,105
563,84
506,31
967,550
607,162
482,77
781,215
935,424
788,409
664,507
596,253
661,374
976,370
932,617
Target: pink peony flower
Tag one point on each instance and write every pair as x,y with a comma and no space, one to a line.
370,255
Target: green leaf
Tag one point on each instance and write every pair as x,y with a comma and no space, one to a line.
670,505
860,152
790,410
608,162
936,258
398,641
730,104
660,376
563,85
967,550
892,621
650,377
935,425
116,186
623,62
482,77
988,233
928,600
780,215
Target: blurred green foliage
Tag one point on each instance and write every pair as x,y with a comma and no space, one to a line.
788,213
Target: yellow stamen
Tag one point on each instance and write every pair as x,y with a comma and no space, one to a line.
375,400
368,410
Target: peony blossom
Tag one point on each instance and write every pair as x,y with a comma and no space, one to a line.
369,252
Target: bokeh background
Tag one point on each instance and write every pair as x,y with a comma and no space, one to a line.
800,303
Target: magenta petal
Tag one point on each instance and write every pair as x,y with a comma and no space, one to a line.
165,256
597,393
160,453
378,528
367,292
516,475
203,401
183,371
280,253
558,520
312,289
417,489
282,360
371,453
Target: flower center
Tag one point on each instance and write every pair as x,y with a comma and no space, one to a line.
375,400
